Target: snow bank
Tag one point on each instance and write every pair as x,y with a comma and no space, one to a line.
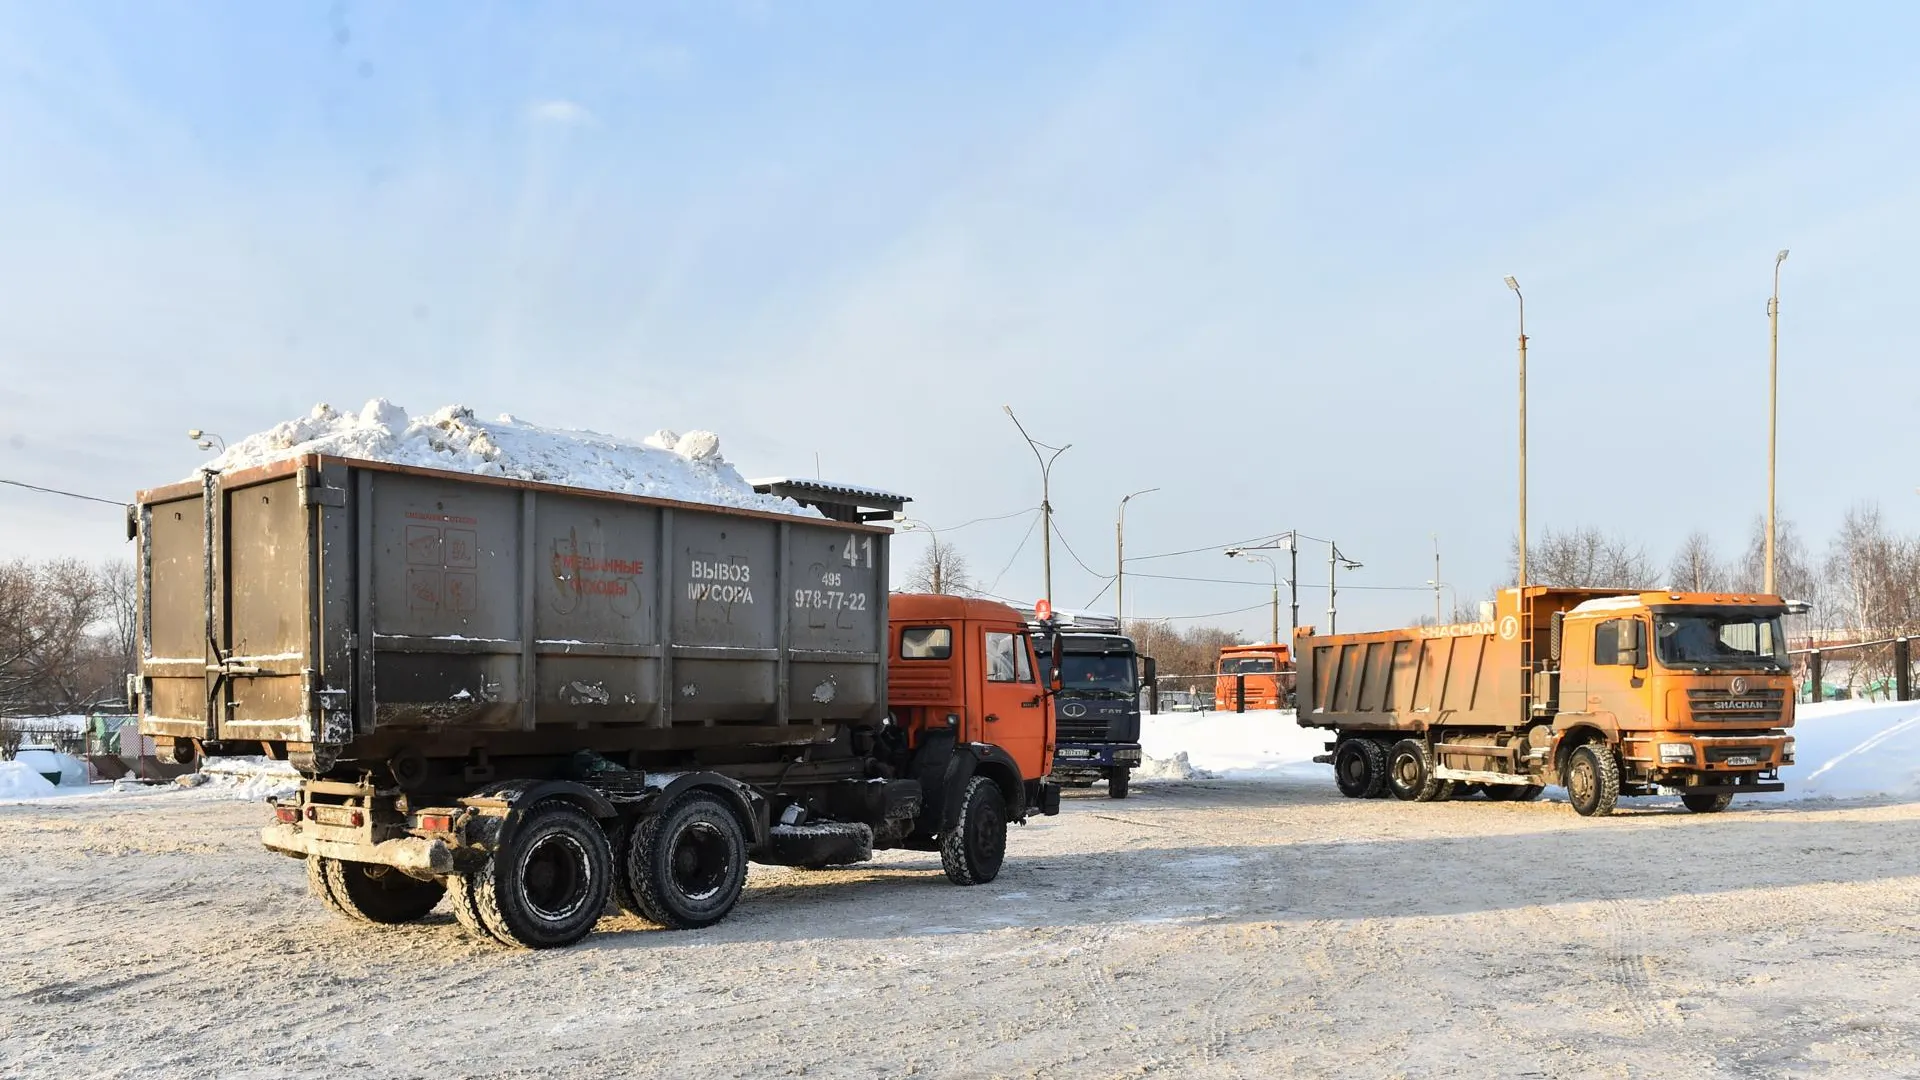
1855,749
247,779
20,780
663,465
1252,745
1177,767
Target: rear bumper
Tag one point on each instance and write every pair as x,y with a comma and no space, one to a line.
409,853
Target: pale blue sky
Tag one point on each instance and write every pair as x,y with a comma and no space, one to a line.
1247,253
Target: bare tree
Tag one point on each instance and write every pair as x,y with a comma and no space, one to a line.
1193,652
46,610
941,569
1584,558
121,600
1696,567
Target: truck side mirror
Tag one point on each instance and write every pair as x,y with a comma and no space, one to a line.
1633,643
1148,672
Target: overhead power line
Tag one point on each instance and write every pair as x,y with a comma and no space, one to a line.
66,494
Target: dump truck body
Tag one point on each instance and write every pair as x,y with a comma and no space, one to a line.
1687,693
445,655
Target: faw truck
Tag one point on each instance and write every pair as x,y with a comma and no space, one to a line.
532,701
1097,708
1602,692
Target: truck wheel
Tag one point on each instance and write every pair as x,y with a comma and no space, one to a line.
466,909
688,863
1410,773
549,883
1117,781
1360,768
1593,780
973,849
620,840
321,889
379,894
1708,804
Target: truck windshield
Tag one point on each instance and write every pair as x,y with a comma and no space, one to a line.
1097,676
1730,639
1247,665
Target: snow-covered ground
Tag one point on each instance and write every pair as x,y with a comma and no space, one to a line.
665,464
1844,749
250,779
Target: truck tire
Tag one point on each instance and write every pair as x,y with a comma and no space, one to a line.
379,894
321,889
466,909
1410,772
1593,780
688,863
1360,768
549,883
1513,792
972,851
1708,804
620,841
1117,781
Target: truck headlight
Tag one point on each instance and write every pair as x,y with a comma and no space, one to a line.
1676,753
1786,752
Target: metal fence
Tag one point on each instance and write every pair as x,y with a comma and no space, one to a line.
1899,681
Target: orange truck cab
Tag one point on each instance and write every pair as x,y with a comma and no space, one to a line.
1254,677
969,703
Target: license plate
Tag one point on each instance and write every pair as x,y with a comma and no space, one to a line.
1743,760
1074,753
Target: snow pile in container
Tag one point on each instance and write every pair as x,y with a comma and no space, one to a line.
1177,767
20,780
248,779
664,465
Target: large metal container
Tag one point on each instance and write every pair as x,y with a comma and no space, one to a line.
358,609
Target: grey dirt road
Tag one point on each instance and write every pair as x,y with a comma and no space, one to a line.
1207,929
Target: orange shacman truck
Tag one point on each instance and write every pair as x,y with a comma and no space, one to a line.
1603,692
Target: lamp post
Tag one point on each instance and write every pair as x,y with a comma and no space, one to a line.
1773,405
936,562
1335,560
1437,584
1120,555
1515,286
206,439
1046,501
1275,569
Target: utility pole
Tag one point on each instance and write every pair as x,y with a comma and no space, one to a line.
1515,286
1046,500
1120,556
1773,407
1335,560
1437,620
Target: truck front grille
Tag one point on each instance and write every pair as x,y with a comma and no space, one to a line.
1719,754
1718,706
1080,730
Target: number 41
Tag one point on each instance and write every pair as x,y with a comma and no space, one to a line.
855,547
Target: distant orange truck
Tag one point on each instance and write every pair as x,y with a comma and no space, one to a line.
1603,692
1253,677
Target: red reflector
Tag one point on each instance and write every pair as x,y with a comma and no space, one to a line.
286,814
311,815
357,819
436,822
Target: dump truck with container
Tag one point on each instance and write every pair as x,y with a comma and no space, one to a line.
531,699
1602,692
1097,708
1254,677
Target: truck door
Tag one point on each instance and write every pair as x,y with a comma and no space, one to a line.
1611,687
1013,711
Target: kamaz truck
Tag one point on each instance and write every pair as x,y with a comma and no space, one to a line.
528,701
1097,708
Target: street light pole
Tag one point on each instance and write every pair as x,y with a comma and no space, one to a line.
1515,286
1046,500
1437,620
1120,555
1773,406
1273,568
1335,560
